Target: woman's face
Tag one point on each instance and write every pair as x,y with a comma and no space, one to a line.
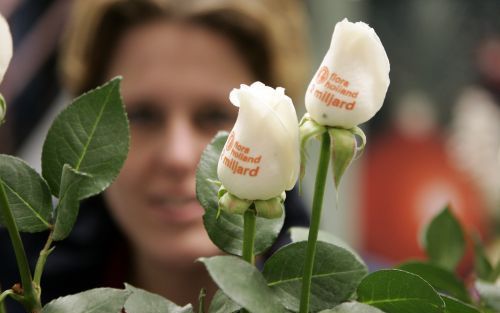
176,82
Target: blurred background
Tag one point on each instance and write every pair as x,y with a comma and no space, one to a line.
434,143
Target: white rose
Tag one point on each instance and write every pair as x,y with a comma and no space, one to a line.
5,46
351,82
261,156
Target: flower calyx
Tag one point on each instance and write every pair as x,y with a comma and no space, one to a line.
344,145
271,208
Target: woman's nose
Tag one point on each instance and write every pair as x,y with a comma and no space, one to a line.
180,149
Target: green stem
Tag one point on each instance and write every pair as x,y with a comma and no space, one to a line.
319,190
4,295
201,300
40,264
30,299
249,220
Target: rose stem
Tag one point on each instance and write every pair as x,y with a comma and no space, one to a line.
319,190
30,299
249,235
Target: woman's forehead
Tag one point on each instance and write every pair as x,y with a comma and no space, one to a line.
183,51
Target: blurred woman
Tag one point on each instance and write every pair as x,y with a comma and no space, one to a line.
179,60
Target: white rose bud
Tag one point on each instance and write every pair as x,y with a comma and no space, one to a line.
351,82
261,156
5,46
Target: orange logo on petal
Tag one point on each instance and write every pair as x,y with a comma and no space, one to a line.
323,74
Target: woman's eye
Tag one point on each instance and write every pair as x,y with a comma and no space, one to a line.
144,116
215,119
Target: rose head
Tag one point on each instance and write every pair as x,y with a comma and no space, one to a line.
5,56
351,82
5,46
261,156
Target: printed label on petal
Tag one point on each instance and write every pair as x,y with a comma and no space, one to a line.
350,85
239,158
333,90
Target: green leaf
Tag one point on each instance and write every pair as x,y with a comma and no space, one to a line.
206,173
441,279
482,266
444,240
227,231
489,294
456,306
99,300
223,304
243,283
27,193
353,307
68,206
91,136
336,274
141,301
397,291
302,233
343,150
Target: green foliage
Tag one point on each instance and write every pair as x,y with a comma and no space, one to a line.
457,306
91,136
336,274
441,279
353,307
243,283
100,300
28,195
141,301
308,129
226,231
302,233
68,206
343,150
397,291
83,152
482,266
223,304
444,240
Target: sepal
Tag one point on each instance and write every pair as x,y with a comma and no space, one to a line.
271,208
343,150
3,109
308,129
232,204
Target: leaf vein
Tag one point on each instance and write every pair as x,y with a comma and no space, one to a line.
94,127
313,276
27,204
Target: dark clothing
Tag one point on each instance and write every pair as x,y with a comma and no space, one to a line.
84,259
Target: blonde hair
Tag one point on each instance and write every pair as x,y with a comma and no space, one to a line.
270,35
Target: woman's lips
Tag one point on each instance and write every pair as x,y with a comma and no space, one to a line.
175,209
